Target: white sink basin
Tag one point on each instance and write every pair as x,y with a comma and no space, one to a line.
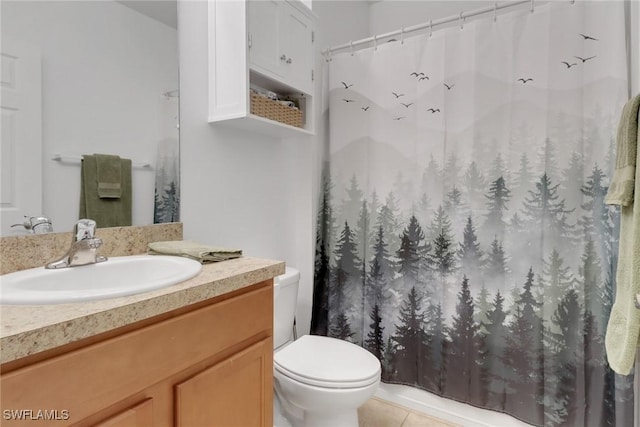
116,277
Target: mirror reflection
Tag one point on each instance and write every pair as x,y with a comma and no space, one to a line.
80,78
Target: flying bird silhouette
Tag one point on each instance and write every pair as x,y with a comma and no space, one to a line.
588,37
346,86
449,87
397,95
407,105
423,78
524,81
569,65
585,59
416,74
348,100
398,118
365,108
433,110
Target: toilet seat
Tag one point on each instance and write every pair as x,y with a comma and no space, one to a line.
328,363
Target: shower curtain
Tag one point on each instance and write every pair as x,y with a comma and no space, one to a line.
462,236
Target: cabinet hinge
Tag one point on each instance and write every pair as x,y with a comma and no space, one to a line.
249,40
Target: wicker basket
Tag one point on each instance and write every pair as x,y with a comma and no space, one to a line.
265,107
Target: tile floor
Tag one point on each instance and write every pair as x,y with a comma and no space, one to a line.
381,413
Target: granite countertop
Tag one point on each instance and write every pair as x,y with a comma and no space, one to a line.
30,329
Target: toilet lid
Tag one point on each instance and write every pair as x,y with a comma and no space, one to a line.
327,362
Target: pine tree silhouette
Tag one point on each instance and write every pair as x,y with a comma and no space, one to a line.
375,340
432,180
341,329
496,268
498,169
546,217
568,355
524,356
497,200
463,348
388,219
436,348
483,306
469,254
494,348
597,220
171,203
346,283
556,280
158,208
439,225
411,353
321,283
590,273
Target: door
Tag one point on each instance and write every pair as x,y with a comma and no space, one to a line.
296,43
21,136
265,53
237,392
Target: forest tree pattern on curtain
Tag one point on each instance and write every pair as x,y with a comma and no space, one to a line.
462,235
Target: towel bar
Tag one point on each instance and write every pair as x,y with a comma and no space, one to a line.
78,159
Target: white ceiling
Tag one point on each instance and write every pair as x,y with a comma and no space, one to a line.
165,11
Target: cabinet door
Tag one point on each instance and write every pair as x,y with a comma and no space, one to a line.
237,392
264,23
140,415
296,44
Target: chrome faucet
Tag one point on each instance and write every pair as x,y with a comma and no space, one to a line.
84,247
36,224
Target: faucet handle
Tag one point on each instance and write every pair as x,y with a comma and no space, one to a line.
83,229
36,224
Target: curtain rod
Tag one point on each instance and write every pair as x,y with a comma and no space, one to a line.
461,17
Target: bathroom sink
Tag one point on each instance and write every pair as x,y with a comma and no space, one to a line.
116,277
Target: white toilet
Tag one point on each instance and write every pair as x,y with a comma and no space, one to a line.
318,381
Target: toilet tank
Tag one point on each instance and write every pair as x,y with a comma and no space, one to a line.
285,299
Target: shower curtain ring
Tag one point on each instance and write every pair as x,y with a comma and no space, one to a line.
462,20
402,35
532,6
430,27
351,44
375,42
495,12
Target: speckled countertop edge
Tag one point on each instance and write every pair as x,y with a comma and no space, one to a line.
30,329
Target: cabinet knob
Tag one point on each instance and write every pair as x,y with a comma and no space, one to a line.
289,61
283,57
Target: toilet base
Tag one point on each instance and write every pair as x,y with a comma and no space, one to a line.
340,419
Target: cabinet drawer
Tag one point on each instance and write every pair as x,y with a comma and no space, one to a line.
90,379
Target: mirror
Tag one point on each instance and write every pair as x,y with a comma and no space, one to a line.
85,77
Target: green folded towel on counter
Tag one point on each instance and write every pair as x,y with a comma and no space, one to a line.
193,250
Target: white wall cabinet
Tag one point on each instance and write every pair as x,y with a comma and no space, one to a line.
265,45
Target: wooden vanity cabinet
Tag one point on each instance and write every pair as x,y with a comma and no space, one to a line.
209,364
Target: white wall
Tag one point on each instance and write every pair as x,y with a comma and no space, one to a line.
104,70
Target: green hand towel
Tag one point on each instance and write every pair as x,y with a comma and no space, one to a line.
193,250
105,212
109,174
622,184
623,329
